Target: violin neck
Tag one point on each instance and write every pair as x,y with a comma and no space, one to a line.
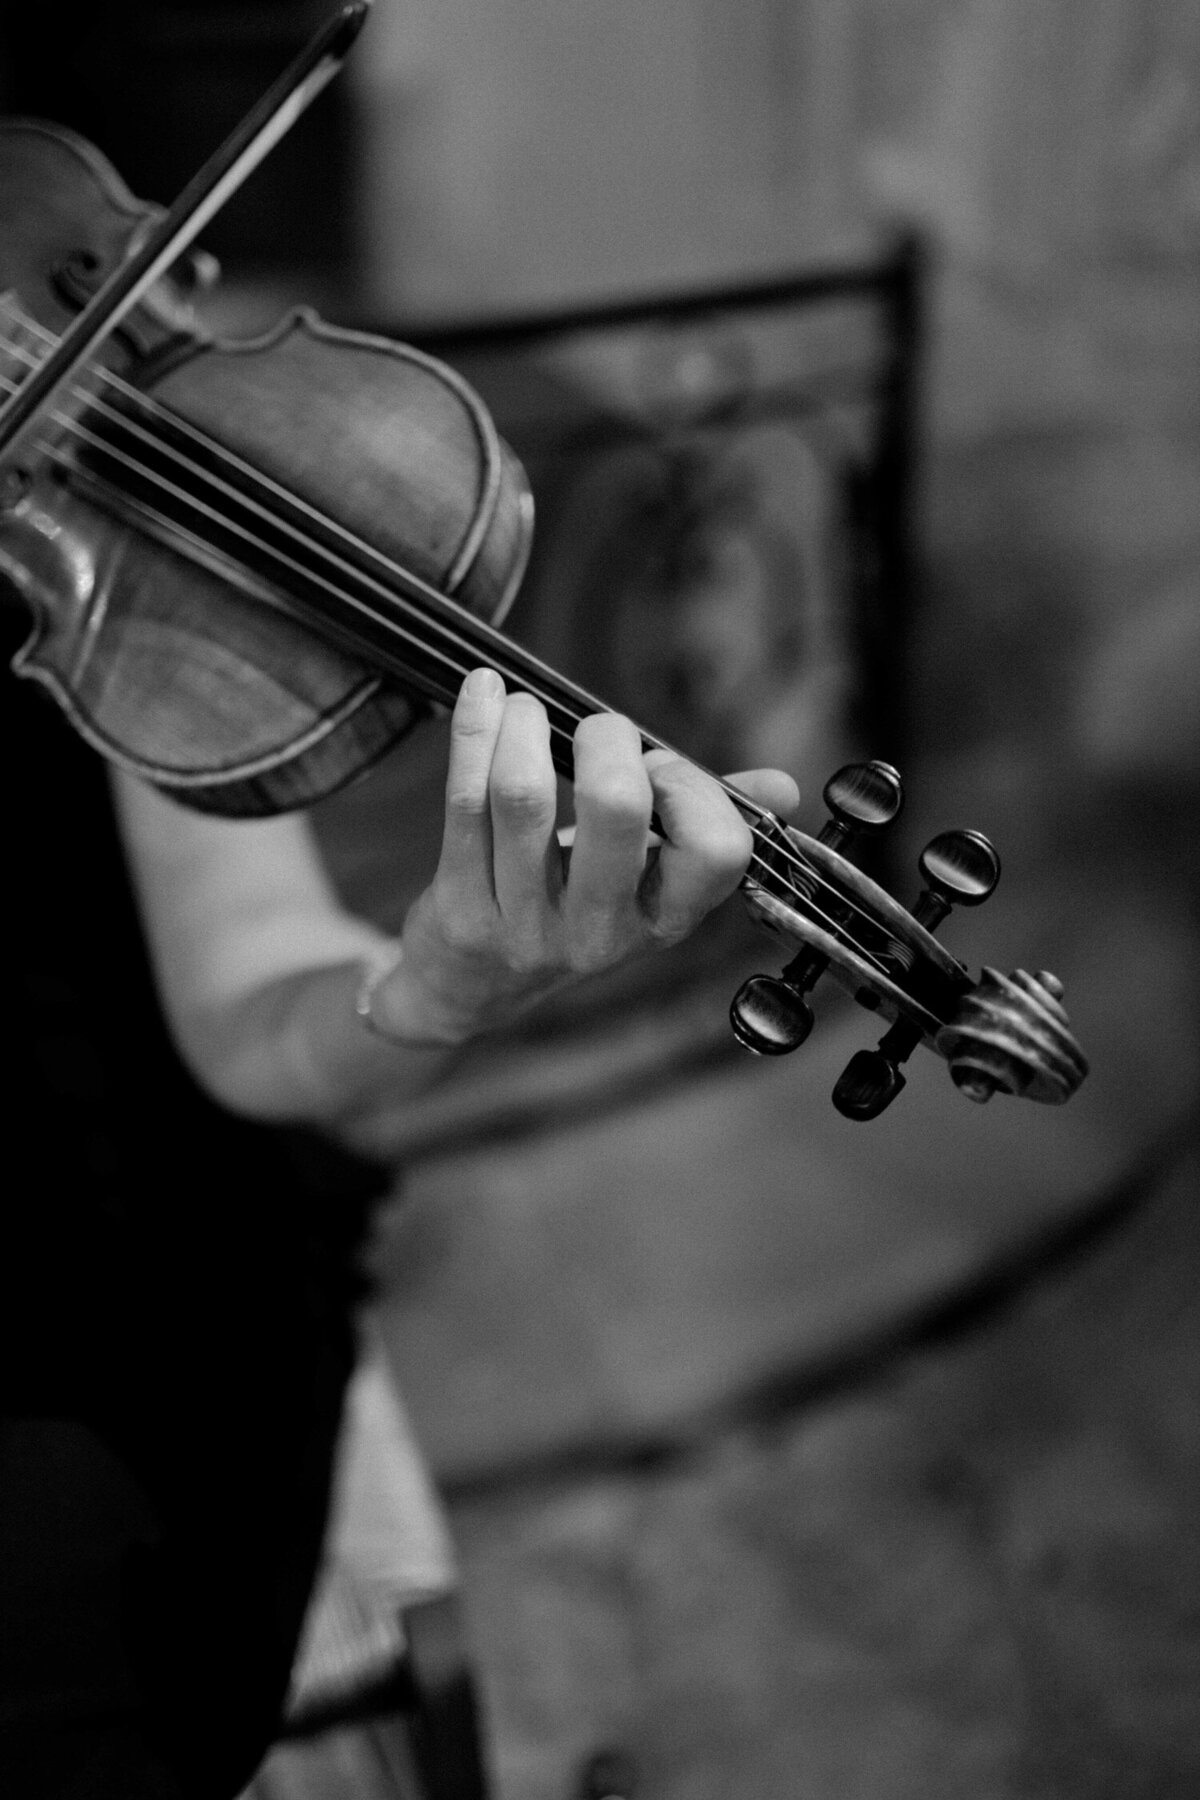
432,653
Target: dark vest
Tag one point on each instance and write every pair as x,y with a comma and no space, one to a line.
175,1283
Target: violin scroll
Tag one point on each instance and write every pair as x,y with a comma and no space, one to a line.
1003,1034
1010,1036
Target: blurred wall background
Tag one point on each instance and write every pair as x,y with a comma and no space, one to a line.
526,152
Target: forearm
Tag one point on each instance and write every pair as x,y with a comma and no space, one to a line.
260,967
297,1049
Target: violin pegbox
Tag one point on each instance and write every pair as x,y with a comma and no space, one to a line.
1002,1034
770,1014
959,868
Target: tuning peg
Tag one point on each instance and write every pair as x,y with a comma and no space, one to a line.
960,868
769,1013
861,797
872,1078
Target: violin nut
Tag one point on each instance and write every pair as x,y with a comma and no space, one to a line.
1010,1036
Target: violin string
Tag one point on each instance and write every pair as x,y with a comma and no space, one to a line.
768,876
777,846
479,636
485,638
528,667
132,426
811,879
430,595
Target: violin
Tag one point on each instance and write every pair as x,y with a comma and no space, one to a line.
250,564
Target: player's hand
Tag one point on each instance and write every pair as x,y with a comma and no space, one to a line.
506,917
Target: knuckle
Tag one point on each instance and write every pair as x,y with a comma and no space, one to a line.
467,799
619,799
664,932
718,842
464,928
595,949
588,959
472,721
522,797
730,848
465,935
471,727
528,961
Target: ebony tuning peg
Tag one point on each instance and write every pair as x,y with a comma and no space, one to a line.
861,797
961,868
769,1013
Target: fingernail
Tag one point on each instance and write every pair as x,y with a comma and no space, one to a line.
483,684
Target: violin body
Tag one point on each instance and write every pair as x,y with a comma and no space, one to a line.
176,650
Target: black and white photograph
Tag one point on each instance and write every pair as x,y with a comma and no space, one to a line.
601,624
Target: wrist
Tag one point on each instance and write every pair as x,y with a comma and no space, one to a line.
394,1007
